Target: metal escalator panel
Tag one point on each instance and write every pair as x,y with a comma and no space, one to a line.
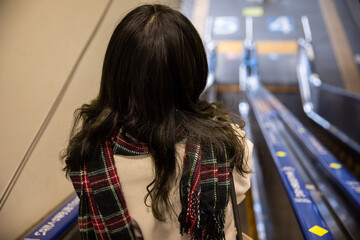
341,109
335,109
263,221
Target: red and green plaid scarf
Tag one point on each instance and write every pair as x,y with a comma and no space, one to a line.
204,192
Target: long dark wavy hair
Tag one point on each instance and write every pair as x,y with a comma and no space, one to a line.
154,71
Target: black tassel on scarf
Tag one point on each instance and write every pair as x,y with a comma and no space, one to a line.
204,194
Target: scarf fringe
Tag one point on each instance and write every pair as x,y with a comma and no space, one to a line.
204,224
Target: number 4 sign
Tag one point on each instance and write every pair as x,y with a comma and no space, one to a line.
281,24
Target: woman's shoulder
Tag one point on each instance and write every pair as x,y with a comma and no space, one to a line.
248,145
241,134
238,130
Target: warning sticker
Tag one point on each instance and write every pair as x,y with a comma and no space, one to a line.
335,165
281,154
318,230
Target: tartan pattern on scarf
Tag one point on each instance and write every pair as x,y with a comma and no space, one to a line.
204,192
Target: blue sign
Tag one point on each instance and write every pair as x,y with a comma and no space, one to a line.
281,24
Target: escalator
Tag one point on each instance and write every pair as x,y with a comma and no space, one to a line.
300,189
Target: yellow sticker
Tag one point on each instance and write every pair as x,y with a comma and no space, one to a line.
253,11
301,130
318,230
281,154
335,165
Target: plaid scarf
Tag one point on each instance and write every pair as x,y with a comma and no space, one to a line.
204,192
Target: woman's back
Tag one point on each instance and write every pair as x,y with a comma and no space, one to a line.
136,172
148,107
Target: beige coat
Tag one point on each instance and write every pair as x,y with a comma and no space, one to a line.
136,172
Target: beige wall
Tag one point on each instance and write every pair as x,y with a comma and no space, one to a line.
40,42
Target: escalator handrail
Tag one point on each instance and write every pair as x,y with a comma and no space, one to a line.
304,207
337,172
58,222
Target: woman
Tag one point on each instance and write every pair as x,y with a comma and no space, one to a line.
147,149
